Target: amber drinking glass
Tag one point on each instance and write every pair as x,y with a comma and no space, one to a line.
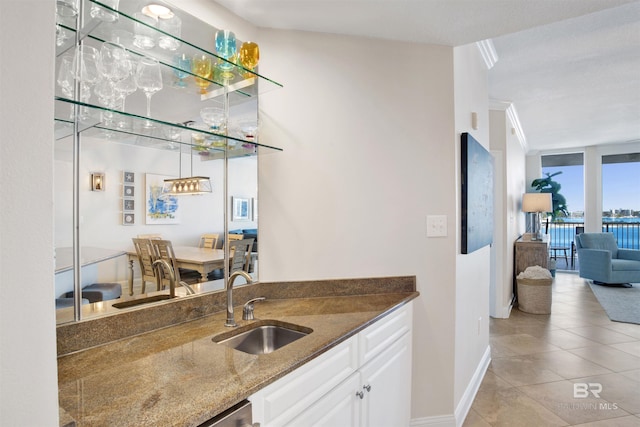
201,67
249,55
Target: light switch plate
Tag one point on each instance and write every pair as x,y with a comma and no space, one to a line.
436,226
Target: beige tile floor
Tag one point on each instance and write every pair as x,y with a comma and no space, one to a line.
537,360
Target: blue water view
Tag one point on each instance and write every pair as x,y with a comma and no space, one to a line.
626,231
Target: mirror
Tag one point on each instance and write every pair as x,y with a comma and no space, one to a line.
108,180
127,205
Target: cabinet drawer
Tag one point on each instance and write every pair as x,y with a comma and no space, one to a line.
383,333
281,401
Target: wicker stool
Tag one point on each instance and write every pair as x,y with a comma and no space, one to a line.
534,295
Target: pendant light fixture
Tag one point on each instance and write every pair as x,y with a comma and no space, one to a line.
186,186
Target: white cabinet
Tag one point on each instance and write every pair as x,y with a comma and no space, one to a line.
386,384
377,391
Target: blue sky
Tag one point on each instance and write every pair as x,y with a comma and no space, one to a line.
620,185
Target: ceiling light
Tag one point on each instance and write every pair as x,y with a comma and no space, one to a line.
157,11
190,185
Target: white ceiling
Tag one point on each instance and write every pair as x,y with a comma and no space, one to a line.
571,68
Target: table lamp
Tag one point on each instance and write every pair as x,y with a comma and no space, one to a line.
536,203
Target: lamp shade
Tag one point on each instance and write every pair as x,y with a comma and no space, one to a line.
537,202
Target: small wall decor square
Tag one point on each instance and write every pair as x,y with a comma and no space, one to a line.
128,201
128,218
128,177
129,191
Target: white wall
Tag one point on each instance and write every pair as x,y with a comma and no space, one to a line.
511,223
472,270
28,380
370,149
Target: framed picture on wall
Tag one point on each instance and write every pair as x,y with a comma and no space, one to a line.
128,177
240,209
477,195
128,205
159,208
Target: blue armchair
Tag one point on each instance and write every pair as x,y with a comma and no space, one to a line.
602,261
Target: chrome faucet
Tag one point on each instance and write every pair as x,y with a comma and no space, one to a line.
172,275
230,319
172,278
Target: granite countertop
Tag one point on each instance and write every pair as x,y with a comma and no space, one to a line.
177,376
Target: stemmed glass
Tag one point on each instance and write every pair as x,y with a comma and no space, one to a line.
115,61
125,87
249,56
201,67
182,63
214,117
226,48
148,79
84,68
114,66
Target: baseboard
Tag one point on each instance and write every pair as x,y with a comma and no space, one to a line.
472,389
438,421
504,312
456,419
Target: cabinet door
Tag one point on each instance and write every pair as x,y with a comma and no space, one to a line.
338,408
386,383
278,403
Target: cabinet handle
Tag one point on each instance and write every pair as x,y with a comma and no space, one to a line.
367,387
360,394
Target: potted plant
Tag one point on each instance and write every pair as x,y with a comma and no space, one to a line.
548,185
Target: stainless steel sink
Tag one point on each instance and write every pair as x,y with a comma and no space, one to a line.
263,336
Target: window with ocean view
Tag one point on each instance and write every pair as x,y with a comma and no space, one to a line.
621,198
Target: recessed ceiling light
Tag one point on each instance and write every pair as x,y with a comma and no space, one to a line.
157,11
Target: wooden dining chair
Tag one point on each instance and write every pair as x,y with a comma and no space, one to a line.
240,255
164,250
150,236
239,258
209,240
146,257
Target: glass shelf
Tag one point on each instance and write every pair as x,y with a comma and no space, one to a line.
142,131
242,84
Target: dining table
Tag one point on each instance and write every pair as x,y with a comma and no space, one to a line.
203,260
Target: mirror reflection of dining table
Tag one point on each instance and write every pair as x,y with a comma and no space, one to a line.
203,260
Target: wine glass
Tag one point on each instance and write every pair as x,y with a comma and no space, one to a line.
148,79
214,117
85,64
201,67
125,87
226,48
115,61
181,62
65,77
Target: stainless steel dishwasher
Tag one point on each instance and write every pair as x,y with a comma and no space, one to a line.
238,415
